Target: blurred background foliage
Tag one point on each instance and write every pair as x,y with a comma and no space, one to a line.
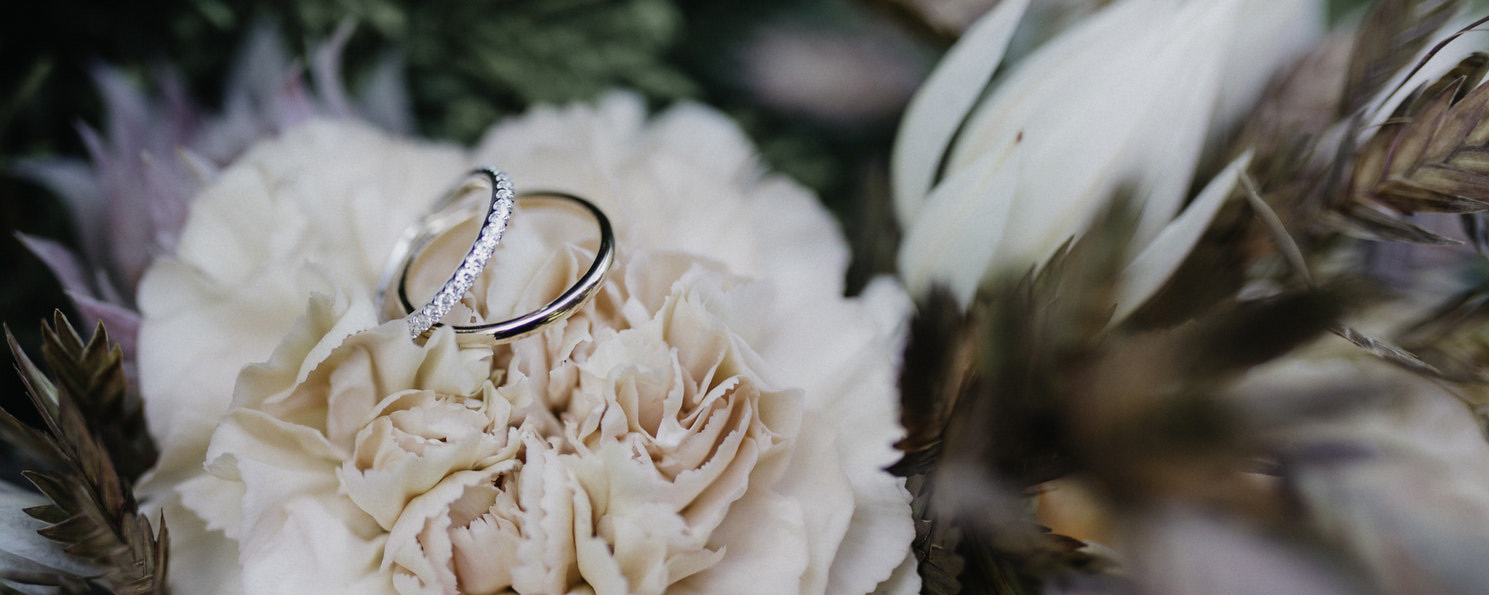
817,83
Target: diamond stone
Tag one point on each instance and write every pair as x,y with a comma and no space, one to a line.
499,213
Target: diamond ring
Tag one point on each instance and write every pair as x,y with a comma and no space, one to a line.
443,218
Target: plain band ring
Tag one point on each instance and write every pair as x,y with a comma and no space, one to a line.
507,330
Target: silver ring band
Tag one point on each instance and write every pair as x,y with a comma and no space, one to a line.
422,321
418,236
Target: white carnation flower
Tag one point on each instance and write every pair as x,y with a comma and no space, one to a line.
717,420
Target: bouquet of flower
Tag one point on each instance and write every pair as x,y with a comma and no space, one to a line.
1139,296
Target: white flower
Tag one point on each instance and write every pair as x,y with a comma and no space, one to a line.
294,216
1400,484
592,455
1123,99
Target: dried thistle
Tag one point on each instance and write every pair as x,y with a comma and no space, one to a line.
1433,153
1349,171
93,514
1453,339
92,371
1391,35
1036,383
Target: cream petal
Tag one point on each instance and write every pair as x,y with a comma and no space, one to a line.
202,559
547,562
476,546
814,479
216,500
313,551
384,486
879,534
905,580
260,240
419,543
183,363
767,551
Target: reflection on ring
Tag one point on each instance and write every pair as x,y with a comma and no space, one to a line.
441,220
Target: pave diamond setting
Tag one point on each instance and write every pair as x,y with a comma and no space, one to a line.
498,214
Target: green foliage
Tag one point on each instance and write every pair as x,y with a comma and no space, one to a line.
473,63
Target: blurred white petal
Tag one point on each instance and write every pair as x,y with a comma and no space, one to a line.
938,109
1180,552
22,549
1100,110
1402,487
1160,258
958,228
1125,100
1275,33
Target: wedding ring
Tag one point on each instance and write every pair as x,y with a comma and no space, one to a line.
418,236
441,220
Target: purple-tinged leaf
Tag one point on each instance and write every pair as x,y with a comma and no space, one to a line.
293,104
325,71
170,187
259,68
201,168
127,109
71,179
384,97
64,265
